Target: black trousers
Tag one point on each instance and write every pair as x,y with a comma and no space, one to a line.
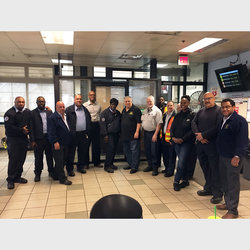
60,157
80,141
111,147
43,145
17,151
230,178
94,138
209,162
169,156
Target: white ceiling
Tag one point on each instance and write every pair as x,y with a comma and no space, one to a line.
105,48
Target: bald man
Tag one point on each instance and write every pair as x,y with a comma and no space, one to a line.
59,137
95,110
205,125
17,121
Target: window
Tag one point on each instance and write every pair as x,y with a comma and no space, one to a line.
67,92
99,71
12,71
67,70
9,91
37,72
140,90
123,74
41,89
138,74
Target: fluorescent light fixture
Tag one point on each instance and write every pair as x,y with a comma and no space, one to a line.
131,57
161,65
58,37
200,44
61,61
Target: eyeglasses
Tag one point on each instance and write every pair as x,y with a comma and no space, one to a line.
226,107
206,99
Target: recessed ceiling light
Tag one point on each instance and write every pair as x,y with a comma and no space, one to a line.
162,65
58,37
205,42
61,61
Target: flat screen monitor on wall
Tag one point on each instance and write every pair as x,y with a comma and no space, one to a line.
234,78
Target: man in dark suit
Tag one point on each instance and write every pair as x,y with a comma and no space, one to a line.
39,138
59,137
17,127
78,118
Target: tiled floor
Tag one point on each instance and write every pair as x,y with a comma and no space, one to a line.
49,199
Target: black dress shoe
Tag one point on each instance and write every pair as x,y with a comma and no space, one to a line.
82,170
184,184
163,171
204,192
114,167
20,180
168,175
147,169
127,168
155,172
177,187
98,166
71,173
216,200
10,185
109,169
55,178
37,178
66,182
133,170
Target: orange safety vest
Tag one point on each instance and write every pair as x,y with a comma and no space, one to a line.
167,135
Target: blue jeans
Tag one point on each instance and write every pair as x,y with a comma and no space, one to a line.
182,151
169,156
131,150
151,149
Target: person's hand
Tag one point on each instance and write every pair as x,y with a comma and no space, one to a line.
33,144
154,138
204,141
25,130
57,146
136,135
177,140
199,136
106,138
235,161
48,108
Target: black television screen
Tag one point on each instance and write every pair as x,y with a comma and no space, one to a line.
234,78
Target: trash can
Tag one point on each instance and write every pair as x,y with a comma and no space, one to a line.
116,206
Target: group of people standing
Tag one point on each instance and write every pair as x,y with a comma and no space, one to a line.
218,135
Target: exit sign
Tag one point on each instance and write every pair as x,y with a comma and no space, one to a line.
183,60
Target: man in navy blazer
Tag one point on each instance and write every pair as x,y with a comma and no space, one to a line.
79,120
59,137
39,138
232,142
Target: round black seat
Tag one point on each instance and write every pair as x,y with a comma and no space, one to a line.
116,206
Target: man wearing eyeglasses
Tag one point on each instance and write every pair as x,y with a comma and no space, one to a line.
232,143
205,126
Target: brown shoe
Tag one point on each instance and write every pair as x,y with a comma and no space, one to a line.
221,206
229,216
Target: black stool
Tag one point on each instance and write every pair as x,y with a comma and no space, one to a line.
116,206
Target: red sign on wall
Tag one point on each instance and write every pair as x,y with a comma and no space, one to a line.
183,60
236,109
